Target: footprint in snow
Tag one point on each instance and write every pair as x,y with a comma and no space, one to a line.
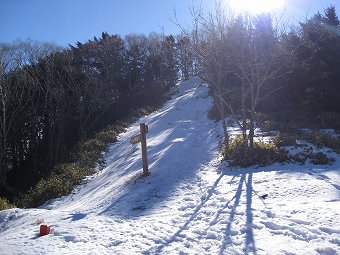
326,250
330,230
69,238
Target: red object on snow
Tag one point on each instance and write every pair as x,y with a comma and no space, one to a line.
44,229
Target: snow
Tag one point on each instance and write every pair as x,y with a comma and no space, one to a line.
192,203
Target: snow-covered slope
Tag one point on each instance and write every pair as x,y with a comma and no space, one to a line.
190,204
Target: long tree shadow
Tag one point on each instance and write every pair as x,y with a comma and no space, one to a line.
170,147
245,183
246,176
173,238
227,236
250,242
249,235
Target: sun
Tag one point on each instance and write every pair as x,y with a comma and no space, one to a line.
256,6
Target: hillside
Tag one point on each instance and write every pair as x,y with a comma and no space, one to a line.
190,204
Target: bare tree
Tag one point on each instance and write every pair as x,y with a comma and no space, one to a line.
13,99
16,89
209,48
240,57
259,59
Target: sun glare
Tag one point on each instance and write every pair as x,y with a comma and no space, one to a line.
256,6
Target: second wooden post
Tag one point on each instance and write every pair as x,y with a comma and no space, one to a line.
143,131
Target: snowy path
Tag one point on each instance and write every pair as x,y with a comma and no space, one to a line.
190,204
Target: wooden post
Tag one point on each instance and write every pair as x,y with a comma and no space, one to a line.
143,131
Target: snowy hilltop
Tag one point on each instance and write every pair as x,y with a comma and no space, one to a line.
192,203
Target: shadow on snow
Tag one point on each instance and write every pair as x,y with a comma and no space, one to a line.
245,184
177,149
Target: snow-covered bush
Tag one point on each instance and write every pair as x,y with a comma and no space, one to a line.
5,204
323,140
239,154
320,158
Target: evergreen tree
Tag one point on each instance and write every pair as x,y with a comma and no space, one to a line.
320,58
330,17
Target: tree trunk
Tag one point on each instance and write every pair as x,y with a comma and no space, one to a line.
221,109
3,179
252,128
3,143
244,117
224,124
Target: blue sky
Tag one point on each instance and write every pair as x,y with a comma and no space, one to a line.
69,21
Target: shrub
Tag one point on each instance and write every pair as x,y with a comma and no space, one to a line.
45,190
72,173
323,140
238,153
214,113
299,158
135,115
89,152
65,176
120,126
326,140
284,139
5,204
329,120
93,145
320,158
109,136
142,112
60,183
269,125
286,122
